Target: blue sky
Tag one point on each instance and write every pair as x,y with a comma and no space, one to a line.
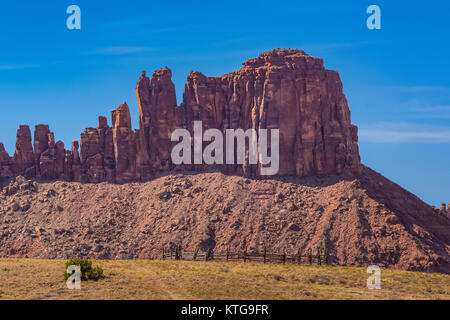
396,79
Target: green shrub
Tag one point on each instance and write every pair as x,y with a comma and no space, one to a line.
87,271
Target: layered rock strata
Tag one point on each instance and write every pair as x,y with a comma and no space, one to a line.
282,89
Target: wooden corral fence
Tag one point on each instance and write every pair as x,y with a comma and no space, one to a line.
320,257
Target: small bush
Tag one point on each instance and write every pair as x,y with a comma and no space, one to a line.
87,271
277,277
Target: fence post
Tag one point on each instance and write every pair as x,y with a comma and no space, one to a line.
265,254
245,255
284,257
319,257
195,254
228,252
163,255
310,256
299,257
323,251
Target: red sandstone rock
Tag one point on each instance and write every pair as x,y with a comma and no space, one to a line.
143,165
158,117
107,148
124,144
281,89
97,153
23,156
287,90
76,163
6,164
102,122
48,160
162,118
60,158
41,138
68,165
92,156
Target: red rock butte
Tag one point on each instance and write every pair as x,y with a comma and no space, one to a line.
283,89
322,193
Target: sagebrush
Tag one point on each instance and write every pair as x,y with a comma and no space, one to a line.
87,271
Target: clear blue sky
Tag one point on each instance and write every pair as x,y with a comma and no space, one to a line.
397,79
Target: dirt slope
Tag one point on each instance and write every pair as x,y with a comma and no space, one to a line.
365,219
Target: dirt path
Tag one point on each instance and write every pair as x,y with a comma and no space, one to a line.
170,286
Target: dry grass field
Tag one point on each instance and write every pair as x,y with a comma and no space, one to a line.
144,279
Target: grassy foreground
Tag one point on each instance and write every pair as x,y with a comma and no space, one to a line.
143,279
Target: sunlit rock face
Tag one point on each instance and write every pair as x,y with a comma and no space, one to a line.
283,89
287,90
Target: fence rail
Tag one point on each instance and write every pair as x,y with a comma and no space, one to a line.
319,258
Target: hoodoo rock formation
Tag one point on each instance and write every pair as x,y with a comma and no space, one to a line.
281,89
24,156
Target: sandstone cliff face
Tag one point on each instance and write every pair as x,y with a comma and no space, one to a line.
124,144
6,164
97,153
286,90
24,156
281,89
159,115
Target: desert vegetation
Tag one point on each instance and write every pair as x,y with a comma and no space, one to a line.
88,272
154,279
